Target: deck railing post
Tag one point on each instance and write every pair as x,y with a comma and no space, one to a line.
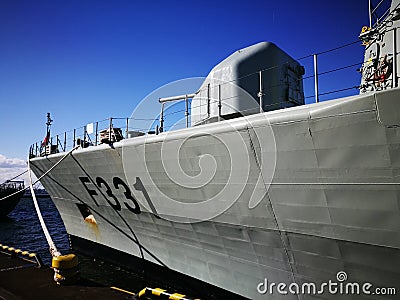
316,78
394,57
162,118
187,111
208,101
127,128
65,141
260,93
110,128
219,103
96,133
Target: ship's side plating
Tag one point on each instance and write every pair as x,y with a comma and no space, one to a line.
333,203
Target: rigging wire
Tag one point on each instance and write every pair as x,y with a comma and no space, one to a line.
8,180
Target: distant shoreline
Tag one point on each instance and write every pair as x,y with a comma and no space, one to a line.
39,193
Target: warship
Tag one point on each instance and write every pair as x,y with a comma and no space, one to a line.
11,192
260,187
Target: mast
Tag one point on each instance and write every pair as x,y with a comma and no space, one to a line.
47,137
370,13
48,123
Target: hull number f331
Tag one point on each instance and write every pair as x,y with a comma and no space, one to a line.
109,193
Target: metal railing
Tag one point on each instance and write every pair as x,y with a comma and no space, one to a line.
378,12
329,74
105,131
185,97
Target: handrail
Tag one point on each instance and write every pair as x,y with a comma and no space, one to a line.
374,19
185,97
318,84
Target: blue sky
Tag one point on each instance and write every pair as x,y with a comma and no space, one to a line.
85,60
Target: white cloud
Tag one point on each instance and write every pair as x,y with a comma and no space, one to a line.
11,163
11,167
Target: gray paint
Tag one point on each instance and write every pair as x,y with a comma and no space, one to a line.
330,204
281,82
340,221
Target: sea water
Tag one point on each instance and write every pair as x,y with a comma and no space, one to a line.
21,229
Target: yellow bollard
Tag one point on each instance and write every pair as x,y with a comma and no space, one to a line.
65,268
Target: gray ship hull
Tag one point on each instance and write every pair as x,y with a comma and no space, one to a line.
318,196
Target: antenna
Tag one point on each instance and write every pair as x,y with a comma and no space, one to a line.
49,121
370,13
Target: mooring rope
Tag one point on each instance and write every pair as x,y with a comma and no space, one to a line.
19,191
52,247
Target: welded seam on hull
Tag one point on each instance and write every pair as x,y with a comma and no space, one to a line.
284,245
278,123
318,165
